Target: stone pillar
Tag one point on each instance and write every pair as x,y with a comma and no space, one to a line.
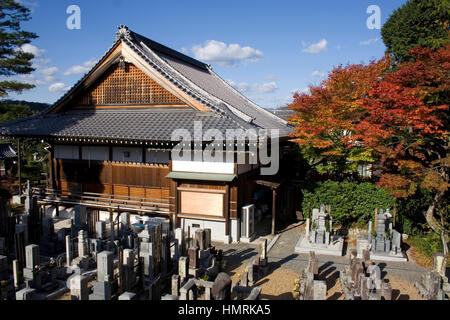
124,220
200,239
263,248
80,217
100,229
193,258
32,257
307,228
68,251
17,274
82,244
386,291
208,238
112,235
128,257
183,268
79,288
105,266
176,285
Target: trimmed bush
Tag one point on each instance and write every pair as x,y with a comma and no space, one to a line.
350,202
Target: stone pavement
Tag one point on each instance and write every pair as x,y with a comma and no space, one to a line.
283,255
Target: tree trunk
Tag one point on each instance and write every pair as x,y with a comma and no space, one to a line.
429,214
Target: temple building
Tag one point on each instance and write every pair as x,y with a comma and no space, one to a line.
111,138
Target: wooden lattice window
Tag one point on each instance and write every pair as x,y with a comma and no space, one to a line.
127,86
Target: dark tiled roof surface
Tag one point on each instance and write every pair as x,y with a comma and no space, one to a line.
7,151
112,124
214,85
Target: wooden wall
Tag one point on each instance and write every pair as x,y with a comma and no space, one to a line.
124,179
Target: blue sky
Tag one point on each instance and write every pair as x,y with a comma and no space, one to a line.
266,49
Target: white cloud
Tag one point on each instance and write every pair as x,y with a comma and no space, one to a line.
300,91
226,55
315,47
29,48
369,42
48,71
58,87
32,5
80,69
39,54
267,87
318,74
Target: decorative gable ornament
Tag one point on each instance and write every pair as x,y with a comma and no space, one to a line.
123,34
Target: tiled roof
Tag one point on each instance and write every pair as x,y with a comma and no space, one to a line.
230,109
148,124
7,151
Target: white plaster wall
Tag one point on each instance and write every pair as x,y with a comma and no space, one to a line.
119,154
66,152
203,167
97,153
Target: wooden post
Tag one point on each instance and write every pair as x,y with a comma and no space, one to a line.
274,198
375,218
395,214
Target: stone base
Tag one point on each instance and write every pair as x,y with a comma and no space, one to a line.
227,240
128,296
333,249
195,272
387,256
247,240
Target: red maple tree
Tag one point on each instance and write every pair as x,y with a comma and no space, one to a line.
396,114
406,123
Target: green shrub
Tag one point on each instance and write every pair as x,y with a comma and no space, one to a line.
410,211
426,244
350,202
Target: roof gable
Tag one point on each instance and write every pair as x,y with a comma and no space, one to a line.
124,84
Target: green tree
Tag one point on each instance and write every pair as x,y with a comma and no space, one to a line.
14,112
13,60
416,23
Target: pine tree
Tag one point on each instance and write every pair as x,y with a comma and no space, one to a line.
13,60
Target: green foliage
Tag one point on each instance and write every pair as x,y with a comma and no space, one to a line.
410,212
416,23
14,61
350,202
31,170
426,244
14,112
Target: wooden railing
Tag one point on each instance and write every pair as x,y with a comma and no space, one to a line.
106,201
